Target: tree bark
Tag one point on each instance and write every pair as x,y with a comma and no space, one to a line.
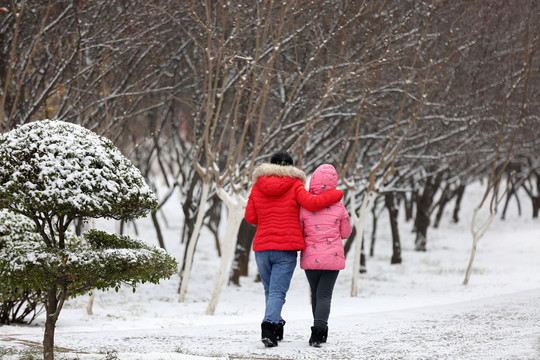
90,305
373,231
190,249
188,200
359,222
393,213
236,209
536,199
348,244
459,196
423,206
511,192
409,205
53,306
155,221
534,195
122,223
536,207
443,201
243,250
421,224
477,233
363,266
214,218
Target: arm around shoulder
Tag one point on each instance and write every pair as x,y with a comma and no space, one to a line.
317,202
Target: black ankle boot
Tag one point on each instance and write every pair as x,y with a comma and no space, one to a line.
279,331
317,335
325,335
268,336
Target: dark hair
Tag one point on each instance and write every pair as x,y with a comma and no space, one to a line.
281,158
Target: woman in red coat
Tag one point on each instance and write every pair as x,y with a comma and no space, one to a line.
273,206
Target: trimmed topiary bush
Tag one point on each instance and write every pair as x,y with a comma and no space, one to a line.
54,172
54,165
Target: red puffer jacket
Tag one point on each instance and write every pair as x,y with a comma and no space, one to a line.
273,206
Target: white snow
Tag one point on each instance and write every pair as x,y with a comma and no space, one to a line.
416,310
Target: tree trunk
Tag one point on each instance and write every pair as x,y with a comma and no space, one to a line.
459,196
536,199
90,305
536,206
363,266
348,244
393,213
373,232
421,224
445,198
214,218
79,226
121,231
532,193
477,233
409,205
187,230
135,229
164,218
243,250
359,222
423,206
158,229
190,249
52,307
236,209
509,194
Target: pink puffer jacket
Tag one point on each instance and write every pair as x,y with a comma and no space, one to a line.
324,230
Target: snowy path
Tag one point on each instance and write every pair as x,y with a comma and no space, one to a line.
504,327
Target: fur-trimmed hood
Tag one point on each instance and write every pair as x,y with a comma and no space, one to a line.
268,169
276,179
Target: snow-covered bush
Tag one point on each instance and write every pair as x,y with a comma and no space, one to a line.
54,165
99,261
54,172
17,302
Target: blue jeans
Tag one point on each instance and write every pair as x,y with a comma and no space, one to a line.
276,268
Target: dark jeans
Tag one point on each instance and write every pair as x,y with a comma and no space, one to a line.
322,284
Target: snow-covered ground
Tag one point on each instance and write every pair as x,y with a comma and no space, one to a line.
416,310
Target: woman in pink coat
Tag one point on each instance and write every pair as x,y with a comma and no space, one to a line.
324,255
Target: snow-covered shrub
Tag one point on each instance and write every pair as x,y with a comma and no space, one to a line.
17,302
54,172
99,261
54,165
